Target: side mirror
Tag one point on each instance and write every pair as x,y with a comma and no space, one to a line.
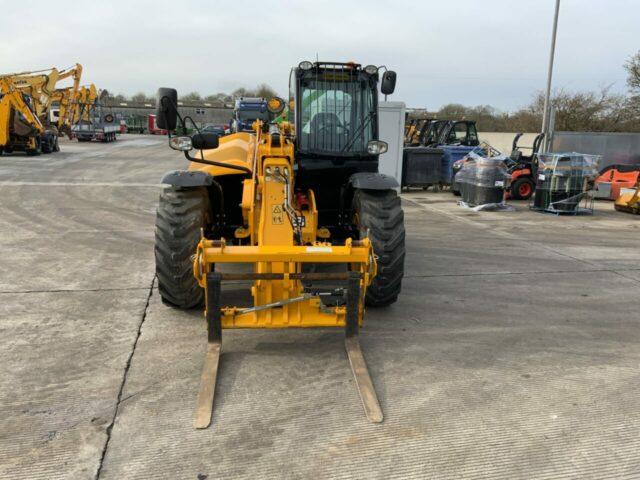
166,108
388,84
205,141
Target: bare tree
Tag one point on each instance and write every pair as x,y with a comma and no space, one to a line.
191,97
141,97
265,91
454,111
587,111
219,98
597,111
633,72
119,98
243,92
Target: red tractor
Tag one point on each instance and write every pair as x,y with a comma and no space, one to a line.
523,169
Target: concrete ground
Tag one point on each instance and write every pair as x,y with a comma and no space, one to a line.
512,353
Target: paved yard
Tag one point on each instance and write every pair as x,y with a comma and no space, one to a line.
512,353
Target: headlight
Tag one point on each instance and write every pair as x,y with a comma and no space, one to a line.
181,143
377,147
371,69
305,65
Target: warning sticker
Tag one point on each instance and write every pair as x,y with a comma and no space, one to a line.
277,215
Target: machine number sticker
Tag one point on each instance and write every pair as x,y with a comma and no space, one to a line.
277,215
499,183
541,177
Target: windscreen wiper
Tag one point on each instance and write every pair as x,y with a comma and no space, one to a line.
360,130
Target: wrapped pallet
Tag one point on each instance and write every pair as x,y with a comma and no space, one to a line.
564,180
483,180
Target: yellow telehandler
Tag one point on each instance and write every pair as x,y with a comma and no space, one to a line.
285,200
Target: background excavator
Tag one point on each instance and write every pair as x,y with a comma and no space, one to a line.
300,203
83,103
68,103
41,88
19,125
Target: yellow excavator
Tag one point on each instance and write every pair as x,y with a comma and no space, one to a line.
20,127
300,204
84,102
41,87
62,113
73,106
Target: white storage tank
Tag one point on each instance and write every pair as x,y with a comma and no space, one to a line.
391,121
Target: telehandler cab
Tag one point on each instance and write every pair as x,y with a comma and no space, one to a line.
284,199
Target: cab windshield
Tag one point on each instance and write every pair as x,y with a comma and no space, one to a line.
245,115
337,114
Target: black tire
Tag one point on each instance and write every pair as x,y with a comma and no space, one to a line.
181,213
380,213
56,145
46,143
522,189
35,151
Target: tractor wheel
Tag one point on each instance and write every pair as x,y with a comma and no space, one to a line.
181,214
380,214
522,189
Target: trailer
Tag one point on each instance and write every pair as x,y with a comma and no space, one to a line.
134,124
96,124
100,131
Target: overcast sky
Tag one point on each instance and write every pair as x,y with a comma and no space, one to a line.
458,51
